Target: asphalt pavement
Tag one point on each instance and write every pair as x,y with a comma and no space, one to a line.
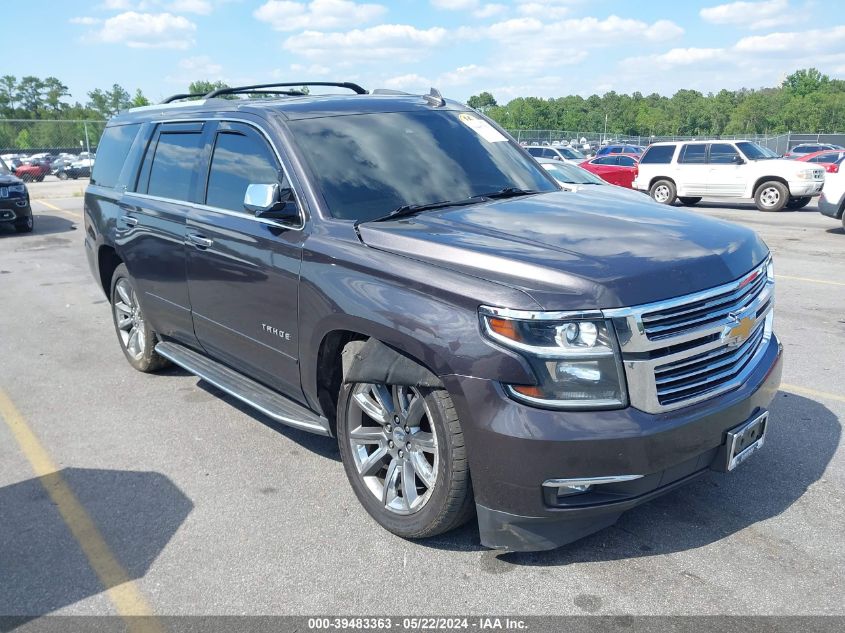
122,492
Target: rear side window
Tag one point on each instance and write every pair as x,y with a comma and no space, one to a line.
607,160
658,154
627,161
694,154
112,152
722,154
239,159
174,165
535,151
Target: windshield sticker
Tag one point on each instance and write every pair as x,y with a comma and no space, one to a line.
482,128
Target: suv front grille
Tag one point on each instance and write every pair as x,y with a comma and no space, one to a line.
703,373
674,320
685,350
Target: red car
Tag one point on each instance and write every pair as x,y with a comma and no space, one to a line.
829,159
32,172
617,169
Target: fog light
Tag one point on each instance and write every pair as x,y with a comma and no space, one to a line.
574,489
567,487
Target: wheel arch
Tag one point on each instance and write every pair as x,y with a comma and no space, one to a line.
764,179
654,180
107,261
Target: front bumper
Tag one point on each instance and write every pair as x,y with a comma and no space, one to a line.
514,448
802,188
830,208
13,209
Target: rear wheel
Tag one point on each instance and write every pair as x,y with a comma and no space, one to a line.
62,175
688,202
663,191
137,339
403,451
798,203
26,177
771,196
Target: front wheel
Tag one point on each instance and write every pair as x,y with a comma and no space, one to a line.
136,337
771,196
688,202
26,225
62,175
663,191
403,452
798,203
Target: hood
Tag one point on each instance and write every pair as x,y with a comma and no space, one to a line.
9,179
786,165
576,250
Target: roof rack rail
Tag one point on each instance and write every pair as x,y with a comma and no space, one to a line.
184,95
247,89
389,91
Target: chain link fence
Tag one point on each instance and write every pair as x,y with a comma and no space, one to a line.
30,136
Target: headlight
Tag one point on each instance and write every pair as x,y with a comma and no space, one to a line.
17,188
575,357
806,174
770,270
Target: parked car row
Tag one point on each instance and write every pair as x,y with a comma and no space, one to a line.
36,167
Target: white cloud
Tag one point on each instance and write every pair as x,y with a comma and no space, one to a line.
395,42
201,67
85,20
545,9
201,7
311,70
455,5
117,5
409,83
285,15
795,43
755,15
489,10
148,30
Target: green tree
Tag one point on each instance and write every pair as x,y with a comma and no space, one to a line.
109,102
805,81
482,102
139,100
203,86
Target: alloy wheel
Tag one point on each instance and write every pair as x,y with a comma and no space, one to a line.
394,445
129,319
661,193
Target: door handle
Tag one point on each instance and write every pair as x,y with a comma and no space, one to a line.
128,220
199,241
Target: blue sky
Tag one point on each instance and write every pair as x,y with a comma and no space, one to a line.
543,48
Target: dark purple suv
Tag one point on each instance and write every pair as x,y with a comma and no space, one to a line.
396,272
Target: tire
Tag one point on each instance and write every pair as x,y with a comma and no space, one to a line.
439,456
129,322
40,178
27,225
688,202
798,203
663,191
771,196
62,175
26,178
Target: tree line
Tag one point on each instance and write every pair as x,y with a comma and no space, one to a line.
806,101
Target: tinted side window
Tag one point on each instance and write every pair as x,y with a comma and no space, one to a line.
112,152
693,154
239,159
658,154
722,154
627,161
607,160
535,151
174,165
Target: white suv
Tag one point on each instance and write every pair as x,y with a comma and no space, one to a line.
832,202
690,170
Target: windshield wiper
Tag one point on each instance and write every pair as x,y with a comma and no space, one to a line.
507,192
412,209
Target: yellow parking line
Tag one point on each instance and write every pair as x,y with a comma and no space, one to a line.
812,392
53,207
122,592
815,281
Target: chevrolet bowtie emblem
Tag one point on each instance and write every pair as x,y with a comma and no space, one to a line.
740,332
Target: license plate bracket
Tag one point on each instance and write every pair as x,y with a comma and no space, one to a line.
745,440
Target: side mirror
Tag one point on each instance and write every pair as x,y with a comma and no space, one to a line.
558,157
737,160
271,202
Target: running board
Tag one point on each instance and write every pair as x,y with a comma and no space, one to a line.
256,395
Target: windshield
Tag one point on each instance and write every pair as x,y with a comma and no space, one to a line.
572,174
368,165
3,168
753,151
570,153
